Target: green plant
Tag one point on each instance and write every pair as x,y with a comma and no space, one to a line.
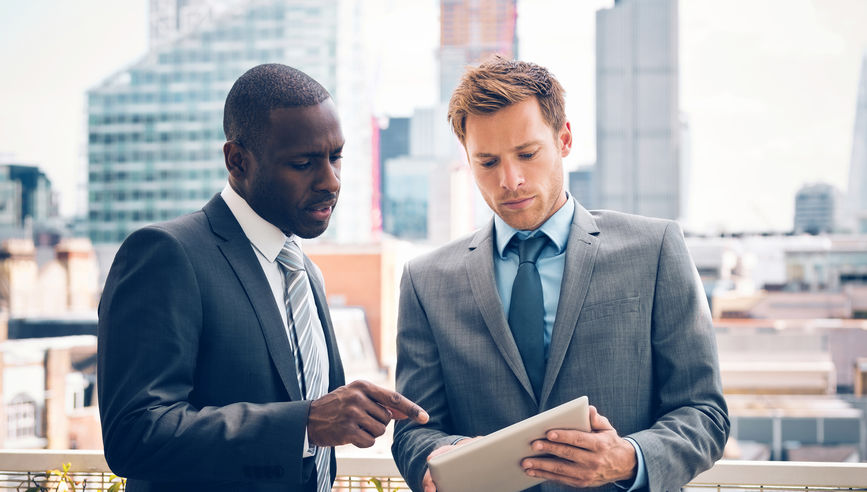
378,484
62,481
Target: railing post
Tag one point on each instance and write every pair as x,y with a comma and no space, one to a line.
777,438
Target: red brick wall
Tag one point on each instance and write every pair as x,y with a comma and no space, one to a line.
357,278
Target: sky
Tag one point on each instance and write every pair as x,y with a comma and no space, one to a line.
769,87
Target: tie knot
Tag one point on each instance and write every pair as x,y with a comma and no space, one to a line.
529,249
290,256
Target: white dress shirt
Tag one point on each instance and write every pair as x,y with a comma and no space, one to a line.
267,240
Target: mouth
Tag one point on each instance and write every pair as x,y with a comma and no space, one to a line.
322,211
519,203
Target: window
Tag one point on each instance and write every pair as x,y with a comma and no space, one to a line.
21,417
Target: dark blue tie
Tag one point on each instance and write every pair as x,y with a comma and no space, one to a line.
527,311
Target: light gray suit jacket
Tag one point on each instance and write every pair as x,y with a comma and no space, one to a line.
633,332
197,383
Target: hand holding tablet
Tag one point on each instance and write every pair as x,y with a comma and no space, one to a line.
494,462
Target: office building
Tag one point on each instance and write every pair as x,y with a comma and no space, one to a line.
25,191
819,208
427,195
472,31
638,127
393,142
155,131
857,195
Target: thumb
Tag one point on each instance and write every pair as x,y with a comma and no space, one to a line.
598,422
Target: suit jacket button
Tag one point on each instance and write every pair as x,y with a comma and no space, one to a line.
267,472
248,471
257,471
278,471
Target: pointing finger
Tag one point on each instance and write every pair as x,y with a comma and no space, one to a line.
400,406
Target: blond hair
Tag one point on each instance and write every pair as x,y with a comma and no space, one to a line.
500,82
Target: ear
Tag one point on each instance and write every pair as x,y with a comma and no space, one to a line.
237,160
565,139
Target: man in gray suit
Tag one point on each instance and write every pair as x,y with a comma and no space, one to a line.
549,302
218,366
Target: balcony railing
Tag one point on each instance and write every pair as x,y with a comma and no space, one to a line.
18,468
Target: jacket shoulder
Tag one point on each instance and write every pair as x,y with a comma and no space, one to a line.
636,227
451,253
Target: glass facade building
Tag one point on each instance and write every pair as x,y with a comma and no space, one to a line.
155,129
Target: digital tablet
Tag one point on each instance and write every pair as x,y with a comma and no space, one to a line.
494,462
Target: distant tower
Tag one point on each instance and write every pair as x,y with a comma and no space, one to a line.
470,32
819,207
638,127
858,165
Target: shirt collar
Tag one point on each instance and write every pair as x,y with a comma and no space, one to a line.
556,228
265,236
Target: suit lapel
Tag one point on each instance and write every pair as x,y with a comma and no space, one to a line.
242,258
480,269
580,258
335,369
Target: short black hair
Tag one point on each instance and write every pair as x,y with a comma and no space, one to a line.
246,116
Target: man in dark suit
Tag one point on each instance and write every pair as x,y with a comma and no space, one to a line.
218,366
549,302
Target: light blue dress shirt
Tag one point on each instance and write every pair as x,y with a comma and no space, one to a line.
550,264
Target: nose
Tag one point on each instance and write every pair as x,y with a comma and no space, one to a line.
329,177
511,175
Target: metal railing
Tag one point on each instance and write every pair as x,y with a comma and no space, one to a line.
18,467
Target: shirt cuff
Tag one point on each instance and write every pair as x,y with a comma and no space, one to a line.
640,474
308,449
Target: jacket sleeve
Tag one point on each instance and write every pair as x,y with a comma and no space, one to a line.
418,377
691,421
150,333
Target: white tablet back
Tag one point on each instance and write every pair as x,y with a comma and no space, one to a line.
494,462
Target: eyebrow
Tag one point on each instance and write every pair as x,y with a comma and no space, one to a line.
314,153
515,149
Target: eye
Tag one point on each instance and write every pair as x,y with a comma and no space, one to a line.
336,157
489,163
300,165
529,155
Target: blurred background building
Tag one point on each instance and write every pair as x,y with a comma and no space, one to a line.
820,207
638,127
858,164
155,129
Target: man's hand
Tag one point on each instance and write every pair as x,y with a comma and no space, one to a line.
427,482
584,459
357,413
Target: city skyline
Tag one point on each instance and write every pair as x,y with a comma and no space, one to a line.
769,89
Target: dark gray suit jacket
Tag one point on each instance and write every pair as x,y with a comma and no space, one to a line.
633,332
196,378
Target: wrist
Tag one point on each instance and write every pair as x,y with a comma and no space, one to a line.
630,462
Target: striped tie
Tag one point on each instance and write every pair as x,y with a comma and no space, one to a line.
307,363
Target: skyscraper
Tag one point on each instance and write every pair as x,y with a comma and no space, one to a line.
155,128
638,124
470,32
857,195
